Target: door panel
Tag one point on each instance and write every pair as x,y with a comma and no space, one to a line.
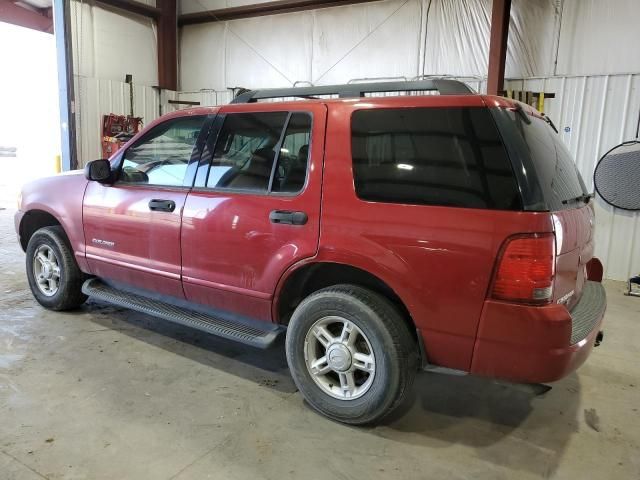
234,249
128,242
132,228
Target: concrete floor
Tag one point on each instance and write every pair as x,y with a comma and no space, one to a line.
104,393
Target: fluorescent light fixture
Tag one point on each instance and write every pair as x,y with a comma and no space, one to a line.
405,166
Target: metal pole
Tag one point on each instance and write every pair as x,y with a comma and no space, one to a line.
62,24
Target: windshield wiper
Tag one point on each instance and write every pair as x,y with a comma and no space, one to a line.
585,197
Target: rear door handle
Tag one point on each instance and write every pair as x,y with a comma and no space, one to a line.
288,217
162,205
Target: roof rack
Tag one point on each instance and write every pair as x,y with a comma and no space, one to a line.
443,86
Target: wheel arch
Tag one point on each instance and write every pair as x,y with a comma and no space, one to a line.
313,276
32,221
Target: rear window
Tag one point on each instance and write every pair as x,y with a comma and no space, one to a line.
557,174
432,156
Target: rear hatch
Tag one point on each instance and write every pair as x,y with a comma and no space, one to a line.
550,181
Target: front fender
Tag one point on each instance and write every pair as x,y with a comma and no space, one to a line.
61,196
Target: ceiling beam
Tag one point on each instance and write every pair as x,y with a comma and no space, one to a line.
498,45
131,6
261,9
24,17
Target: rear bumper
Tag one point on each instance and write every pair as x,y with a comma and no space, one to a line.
537,344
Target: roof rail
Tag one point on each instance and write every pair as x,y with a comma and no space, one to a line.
443,86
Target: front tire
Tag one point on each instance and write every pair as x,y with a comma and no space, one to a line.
54,277
351,354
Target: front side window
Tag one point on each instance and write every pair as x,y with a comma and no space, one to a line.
253,154
432,156
162,155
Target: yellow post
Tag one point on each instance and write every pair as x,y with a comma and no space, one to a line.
58,163
541,102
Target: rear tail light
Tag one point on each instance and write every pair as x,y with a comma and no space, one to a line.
526,269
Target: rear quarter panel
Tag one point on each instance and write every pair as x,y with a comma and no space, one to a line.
574,245
438,260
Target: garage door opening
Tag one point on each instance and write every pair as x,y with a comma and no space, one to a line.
29,124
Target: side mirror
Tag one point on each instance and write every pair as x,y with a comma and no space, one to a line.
98,171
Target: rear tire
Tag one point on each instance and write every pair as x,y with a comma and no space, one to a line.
351,354
54,277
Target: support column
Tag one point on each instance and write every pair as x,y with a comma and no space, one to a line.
498,45
61,19
168,44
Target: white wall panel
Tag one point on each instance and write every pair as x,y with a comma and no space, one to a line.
277,48
391,38
457,37
202,56
107,44
362,41
593,115
532,38
125,45
599,37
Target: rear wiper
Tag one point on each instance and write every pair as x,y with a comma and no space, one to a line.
585,197
551,124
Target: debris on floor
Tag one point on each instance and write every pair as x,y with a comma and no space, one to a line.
592,418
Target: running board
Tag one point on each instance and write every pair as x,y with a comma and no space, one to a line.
241,330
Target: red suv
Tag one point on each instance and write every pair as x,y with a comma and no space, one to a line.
439,229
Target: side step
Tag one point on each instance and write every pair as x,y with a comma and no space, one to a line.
241,330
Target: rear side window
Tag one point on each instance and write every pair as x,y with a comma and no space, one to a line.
245,151
262,152
291,172
432,156
556,172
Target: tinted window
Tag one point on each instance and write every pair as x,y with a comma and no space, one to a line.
556,171
437,156
162,155
294,155
245,151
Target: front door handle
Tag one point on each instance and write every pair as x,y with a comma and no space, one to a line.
162,205
288,217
